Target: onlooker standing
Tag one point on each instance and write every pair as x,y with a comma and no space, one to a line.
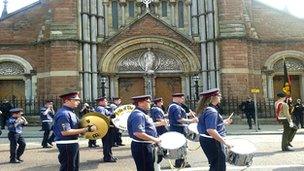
15,126
5,108
248,108
298,113
46,115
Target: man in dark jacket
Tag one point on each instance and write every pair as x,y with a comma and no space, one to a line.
5,108
248,108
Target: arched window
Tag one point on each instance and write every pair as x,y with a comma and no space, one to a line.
164,6
292,64
115,14
180,14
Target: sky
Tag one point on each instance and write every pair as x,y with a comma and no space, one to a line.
295,7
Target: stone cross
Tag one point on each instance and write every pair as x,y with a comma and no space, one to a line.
147,2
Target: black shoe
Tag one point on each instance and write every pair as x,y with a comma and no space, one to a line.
95,145
186,165
109,160
14,161
121,144
287,149
50,143
290,145
114,158
19,159
114,145
47,146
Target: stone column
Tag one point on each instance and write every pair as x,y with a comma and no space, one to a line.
123,5
94,48
203,40
188,14
194,18
106,23
173,16
101,20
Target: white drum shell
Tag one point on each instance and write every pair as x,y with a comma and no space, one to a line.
242,152
192,132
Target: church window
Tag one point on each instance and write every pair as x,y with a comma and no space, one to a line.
131,9
180,14
115,14
164,5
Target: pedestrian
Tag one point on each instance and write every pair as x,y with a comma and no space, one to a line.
211,127
117,134
248,108
158,116
46,115
5,108
177,120
86,109
15,127
66,130
282,110
143,133
108,139
298,113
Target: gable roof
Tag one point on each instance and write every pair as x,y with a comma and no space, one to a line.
273,24
141,22
21,10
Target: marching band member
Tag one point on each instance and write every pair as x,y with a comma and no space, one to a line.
158,116
178,119
211,127
15,126
143,134
66,132
46,115
108,139
117,135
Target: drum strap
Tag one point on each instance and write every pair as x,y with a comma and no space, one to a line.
206,136
150,142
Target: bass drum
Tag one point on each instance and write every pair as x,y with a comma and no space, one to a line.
242,152
173,145
99,120
121,116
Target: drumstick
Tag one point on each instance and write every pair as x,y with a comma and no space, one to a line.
230,115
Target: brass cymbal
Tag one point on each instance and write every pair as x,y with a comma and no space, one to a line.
99,120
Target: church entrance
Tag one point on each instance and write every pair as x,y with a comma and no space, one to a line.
166,86
278,82
10,89
129,87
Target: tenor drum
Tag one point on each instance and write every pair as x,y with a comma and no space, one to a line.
121,116
192,132
173,145
242,152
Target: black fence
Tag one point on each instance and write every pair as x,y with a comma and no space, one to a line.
228,105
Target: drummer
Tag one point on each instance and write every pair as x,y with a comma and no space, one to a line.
211,127
178,120
158,116
143,134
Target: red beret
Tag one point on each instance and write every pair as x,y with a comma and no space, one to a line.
211,92
72,96
178,95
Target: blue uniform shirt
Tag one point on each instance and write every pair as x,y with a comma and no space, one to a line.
158,114
211,119
48,117
65,119
176,112
11,125
103,110
139,121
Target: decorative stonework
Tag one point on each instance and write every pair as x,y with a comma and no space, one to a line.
292,64
148,61
11,68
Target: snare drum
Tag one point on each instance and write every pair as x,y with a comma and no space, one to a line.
173,145
242,152
192,132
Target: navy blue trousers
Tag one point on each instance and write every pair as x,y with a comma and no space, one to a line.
15,140
142,154
215,153
46,126
107,143
68,157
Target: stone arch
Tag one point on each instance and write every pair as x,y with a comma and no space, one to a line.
28,77
108,62
13,58
269,72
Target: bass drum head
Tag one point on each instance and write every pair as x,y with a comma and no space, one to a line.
242,146
172,140
121,116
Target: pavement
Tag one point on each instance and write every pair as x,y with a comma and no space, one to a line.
234,129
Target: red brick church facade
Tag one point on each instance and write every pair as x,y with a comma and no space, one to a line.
122,48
